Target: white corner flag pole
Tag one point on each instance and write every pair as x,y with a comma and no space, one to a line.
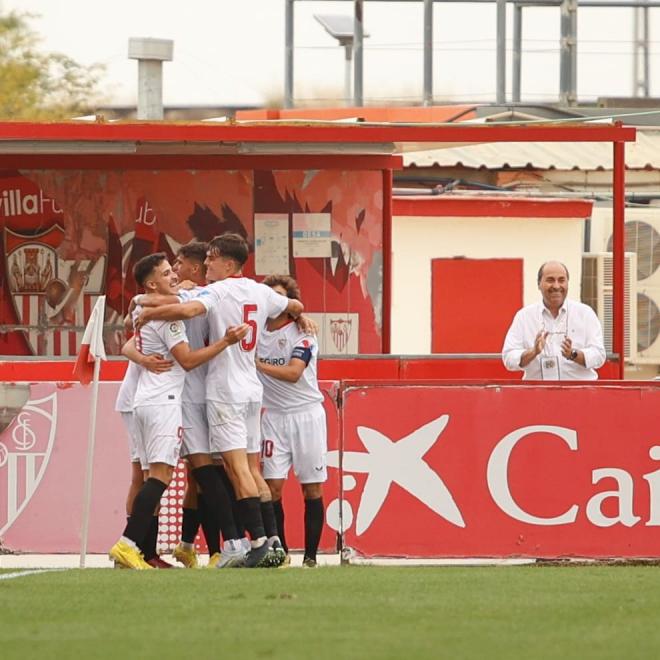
91,438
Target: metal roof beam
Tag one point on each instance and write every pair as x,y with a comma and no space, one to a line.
299,133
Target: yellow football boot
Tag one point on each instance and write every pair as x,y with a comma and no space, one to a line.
187,557
214,560
127,556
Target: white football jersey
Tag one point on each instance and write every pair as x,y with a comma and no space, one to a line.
197,331
128,387
159,337
126,394
232,375
277,348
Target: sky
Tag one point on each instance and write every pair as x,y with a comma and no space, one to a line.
232,51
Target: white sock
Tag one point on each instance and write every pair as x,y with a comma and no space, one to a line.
257,543
131,542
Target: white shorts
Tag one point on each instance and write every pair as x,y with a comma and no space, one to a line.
195,429
295,439
129,424
159,434
234,426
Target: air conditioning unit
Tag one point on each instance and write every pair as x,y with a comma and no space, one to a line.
597,293
648,324
642,236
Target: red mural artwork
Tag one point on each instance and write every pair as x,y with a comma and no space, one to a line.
71,235
348,285
31,232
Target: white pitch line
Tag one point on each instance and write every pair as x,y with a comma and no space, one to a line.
11,576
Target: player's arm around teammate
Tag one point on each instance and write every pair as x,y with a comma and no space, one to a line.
188,358
154,363
174,312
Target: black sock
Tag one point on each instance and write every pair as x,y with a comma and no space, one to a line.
148,546
144,505
279,519
216,499
209,525
251,516
313,526
189,525
268,516
240,527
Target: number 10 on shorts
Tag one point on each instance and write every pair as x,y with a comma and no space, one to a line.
267,448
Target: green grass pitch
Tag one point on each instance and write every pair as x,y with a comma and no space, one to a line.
334,612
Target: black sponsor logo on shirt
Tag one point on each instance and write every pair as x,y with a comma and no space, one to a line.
280,362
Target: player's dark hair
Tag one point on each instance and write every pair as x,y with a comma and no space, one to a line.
539,275
195,250
232,246
146,266
286,282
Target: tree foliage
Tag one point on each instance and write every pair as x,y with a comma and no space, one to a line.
35,85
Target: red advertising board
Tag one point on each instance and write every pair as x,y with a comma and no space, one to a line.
497,471
42,468
417,470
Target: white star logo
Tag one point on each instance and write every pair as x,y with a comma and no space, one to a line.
387,462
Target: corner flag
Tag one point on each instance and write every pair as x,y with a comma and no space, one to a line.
91,348
87,369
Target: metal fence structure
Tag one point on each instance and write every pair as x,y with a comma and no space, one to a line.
568,45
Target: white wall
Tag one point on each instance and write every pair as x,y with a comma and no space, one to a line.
417,240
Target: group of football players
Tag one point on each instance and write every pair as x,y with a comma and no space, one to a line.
222,372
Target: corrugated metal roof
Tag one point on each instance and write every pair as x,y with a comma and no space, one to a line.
642,154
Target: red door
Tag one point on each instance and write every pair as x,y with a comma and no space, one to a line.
473,302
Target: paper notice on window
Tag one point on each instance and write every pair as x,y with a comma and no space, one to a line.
311,235
271,243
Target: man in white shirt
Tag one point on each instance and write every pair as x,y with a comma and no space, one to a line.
233,389
556,339
157,404
293,423
124,406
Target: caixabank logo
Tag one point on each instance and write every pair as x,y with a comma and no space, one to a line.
390,461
